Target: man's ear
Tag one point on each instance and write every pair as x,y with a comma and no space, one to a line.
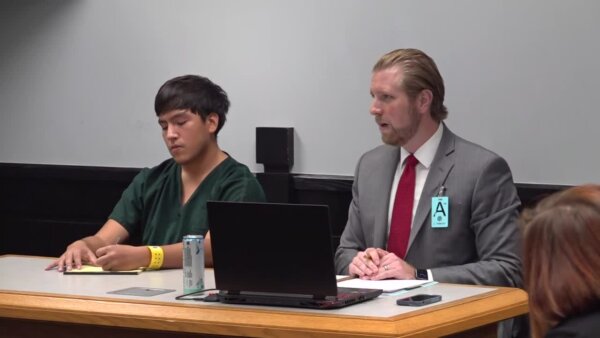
424,99
212,122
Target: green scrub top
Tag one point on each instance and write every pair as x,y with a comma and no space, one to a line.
151,205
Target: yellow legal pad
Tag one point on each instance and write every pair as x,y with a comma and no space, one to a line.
97,270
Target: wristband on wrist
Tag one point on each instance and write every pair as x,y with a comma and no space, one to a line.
157,256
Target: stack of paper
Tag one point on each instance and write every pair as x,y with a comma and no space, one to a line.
387,285
97,270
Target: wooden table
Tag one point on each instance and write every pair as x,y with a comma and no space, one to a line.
50,311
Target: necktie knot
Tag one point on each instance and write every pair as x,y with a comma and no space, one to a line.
411,161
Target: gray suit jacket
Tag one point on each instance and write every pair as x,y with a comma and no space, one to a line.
481,245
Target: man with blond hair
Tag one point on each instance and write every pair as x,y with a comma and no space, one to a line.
428,204
473,237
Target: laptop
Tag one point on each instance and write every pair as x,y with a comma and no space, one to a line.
276,254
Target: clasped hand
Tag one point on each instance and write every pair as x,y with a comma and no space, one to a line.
377,264
109,257
122,257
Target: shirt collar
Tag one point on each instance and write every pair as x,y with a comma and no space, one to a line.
426,152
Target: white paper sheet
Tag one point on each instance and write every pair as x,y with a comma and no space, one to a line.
387,285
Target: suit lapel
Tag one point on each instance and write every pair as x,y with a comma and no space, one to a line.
442,164
388,169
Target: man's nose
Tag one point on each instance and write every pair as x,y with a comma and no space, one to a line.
171,132
375,108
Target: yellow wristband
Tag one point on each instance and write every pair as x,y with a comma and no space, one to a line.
156,257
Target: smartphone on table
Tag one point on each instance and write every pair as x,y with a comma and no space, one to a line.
419,300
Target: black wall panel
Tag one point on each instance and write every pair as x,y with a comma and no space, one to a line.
43,208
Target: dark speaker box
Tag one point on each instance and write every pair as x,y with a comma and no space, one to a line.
275,149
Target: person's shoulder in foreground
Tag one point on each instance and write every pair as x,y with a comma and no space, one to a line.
561,246
586,325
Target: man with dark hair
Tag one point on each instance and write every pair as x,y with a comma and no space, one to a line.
166,202
427,204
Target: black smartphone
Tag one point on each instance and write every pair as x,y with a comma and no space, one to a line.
419,300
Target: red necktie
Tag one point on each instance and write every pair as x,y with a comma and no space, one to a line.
403,206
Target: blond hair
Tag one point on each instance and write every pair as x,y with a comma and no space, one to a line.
420,72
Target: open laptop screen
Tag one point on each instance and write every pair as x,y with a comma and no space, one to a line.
272,247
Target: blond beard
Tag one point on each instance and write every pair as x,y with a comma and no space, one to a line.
401,136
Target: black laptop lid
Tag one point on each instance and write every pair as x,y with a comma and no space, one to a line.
269,247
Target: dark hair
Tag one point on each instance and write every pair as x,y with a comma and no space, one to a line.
193,92
560,256
420,72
